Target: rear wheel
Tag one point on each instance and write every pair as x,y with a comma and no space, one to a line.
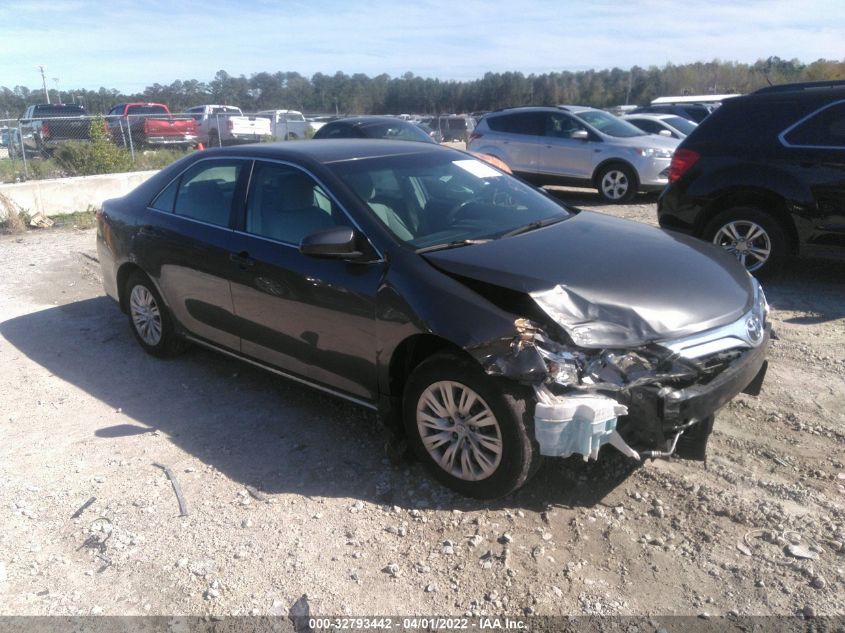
470,435
149,318
617,183
755,238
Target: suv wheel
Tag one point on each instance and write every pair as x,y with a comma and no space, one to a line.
617,183
472,437
755,238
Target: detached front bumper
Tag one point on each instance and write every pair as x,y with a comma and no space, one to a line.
656,414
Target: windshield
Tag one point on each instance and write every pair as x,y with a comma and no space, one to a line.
144,109
681,124
440,198
59,110
609,124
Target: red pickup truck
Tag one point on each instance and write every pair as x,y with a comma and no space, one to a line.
150,124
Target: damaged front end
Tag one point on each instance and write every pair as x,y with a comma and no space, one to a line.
599,382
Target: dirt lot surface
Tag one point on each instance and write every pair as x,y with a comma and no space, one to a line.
289,492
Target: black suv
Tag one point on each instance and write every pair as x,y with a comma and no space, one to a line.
764,176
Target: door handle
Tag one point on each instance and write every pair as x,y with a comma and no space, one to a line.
242,259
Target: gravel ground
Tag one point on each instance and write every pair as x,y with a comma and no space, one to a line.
288,491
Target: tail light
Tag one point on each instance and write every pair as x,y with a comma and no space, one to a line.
45,130
229,124
474,135
682,160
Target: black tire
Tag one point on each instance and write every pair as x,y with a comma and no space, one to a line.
519,456
213,140
621,184
743,218
168,343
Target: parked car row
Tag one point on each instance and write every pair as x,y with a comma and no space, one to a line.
45,127
578,146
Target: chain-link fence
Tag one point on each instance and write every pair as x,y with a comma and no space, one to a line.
142,136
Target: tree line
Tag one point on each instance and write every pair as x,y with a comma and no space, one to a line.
359,93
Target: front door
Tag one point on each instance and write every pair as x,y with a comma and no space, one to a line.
562,155
309,316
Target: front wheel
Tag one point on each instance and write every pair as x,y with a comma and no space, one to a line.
470,435
150,320
617,183
755,238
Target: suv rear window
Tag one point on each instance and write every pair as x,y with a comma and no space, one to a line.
58,110
530,123
141,109
825,128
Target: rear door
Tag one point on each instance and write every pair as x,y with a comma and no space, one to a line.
187,246
817,147
519,135
313,317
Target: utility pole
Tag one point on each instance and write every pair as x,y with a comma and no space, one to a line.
44,83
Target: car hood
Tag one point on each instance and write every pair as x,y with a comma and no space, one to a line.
610,282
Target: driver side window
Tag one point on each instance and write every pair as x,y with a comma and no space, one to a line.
286,204
561,126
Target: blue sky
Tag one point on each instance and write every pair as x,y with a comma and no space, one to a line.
129,45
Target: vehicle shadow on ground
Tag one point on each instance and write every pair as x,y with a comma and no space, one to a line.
256,428
809,285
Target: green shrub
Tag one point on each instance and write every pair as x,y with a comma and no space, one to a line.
99,156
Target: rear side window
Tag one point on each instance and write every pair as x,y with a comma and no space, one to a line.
528,123
825,128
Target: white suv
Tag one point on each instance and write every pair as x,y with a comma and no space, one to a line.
576,146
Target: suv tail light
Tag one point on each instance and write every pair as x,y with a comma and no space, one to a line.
229,124
474,135
682,160
45,130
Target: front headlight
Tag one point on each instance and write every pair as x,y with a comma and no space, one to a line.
653,152
761,306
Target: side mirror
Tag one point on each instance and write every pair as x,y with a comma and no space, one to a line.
581,135
338,242
664,133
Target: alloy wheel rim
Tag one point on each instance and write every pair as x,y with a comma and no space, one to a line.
747,241
614,184
459,430
146,315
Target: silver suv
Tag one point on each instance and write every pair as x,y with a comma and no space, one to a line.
577,146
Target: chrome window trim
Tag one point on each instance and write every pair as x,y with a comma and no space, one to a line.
251,167
782,135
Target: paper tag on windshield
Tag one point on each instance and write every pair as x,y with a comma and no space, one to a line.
477,168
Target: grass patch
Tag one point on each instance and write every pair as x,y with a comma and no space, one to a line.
80,219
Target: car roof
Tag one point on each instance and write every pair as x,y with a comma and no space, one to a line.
575,108
329,150
650,115
367,120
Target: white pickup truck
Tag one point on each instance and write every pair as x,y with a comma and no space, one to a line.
287,125
226,125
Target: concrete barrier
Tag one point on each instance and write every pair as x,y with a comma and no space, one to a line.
69,195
